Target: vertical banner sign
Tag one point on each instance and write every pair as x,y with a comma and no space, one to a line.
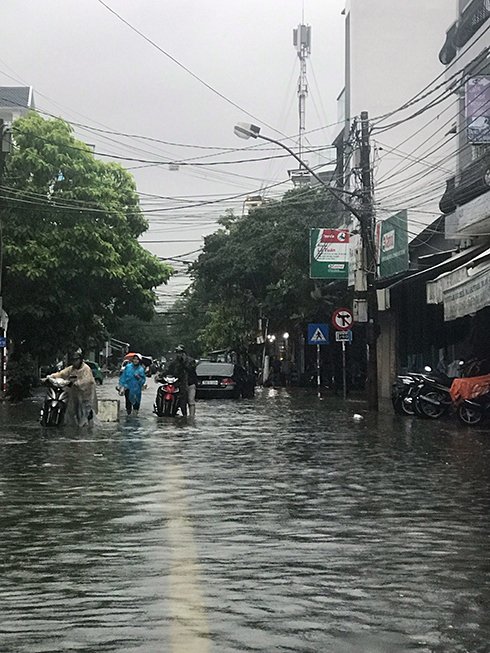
478,109
329,253
392,237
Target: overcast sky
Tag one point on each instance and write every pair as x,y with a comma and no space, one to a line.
88,67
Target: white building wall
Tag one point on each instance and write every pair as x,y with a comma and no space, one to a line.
391,55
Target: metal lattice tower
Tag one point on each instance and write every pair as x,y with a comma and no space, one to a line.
302,43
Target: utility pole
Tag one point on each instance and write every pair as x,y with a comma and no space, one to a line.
3,155
5,148
367,298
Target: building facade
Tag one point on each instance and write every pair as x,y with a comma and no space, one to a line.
391,56
442,312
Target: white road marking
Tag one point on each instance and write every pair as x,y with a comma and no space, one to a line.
189,628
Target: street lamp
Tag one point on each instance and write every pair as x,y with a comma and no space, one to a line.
366,220
246,131
285,337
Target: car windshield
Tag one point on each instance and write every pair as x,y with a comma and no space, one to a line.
214,369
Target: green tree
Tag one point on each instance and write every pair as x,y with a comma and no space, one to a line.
72,262
149,337
259,265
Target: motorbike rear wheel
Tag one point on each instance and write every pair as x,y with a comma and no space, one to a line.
50,417
424,403
397,402
469,414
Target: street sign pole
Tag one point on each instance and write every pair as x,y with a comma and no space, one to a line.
343,320
344,373
318,334
318,380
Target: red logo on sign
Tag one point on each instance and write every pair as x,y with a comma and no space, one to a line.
335,236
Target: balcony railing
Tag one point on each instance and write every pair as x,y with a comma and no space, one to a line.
474,180
472,18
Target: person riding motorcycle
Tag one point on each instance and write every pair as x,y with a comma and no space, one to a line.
82,403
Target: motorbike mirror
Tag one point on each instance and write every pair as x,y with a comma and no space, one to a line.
428,368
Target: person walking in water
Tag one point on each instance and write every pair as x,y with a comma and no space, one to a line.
131,383
82,403
184,368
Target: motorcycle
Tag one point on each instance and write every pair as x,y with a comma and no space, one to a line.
402,393
55,402
431,398
472,411
169,398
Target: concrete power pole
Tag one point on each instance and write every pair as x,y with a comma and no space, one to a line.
3,154
367,228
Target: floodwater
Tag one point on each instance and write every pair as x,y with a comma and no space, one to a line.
273,524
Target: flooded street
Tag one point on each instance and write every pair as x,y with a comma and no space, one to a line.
273,524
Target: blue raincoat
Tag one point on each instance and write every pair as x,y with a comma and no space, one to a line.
133,379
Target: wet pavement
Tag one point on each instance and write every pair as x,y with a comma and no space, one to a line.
273,524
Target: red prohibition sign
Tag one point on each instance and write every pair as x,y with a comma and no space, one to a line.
342,319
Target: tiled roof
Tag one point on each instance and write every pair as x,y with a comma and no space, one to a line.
15,96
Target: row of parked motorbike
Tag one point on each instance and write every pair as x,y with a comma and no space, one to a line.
427,394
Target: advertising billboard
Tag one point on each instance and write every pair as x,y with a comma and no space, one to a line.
329,253
478,109
392,241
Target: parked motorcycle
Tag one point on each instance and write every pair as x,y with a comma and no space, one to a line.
431,398
169,398
473,411
55,401
403,391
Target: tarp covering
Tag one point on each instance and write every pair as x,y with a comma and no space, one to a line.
469,388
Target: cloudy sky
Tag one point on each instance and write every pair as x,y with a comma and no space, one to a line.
91,68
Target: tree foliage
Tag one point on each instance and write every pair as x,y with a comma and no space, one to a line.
149,337
72,262
258,265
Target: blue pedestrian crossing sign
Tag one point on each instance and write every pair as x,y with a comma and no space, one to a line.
318,334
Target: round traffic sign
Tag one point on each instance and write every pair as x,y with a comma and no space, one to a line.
342,319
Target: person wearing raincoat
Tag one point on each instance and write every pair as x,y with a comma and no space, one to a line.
82,402
131,383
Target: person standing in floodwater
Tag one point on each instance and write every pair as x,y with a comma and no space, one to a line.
131,384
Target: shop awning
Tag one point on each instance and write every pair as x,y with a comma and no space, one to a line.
443,282
428,274
469,295
461,280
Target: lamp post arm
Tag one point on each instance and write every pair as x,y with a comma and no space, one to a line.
331,190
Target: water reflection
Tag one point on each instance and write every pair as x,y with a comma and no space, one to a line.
274,524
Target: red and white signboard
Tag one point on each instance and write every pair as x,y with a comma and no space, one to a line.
335,236
329,250
342,319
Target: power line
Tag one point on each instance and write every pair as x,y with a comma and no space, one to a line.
152,162
421,96
427,153
181,65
